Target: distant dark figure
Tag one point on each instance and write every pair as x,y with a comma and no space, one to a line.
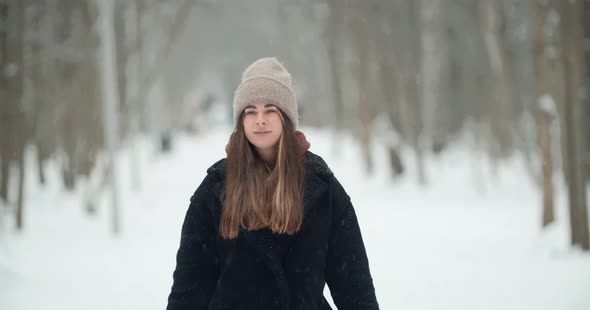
166,141
395,161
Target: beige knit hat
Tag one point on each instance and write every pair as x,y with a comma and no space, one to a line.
266,80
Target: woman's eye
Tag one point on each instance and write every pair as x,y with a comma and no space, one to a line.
270,111
250,112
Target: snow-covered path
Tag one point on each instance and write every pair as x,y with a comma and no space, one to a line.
458,244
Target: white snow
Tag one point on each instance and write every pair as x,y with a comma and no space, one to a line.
456,244
547,105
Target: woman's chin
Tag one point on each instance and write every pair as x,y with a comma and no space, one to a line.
263,143
263,146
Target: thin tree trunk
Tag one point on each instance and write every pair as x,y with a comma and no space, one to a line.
21,189
417,96
547,160
4,178
431,65
362,48
572,33
134,33
500,113
4,165
12,120
110,104
40,168
336,83
543,126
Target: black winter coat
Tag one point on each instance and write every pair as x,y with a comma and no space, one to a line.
260,270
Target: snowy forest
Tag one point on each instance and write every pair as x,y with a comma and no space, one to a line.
461,127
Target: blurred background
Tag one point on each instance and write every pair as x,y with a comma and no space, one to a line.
460,128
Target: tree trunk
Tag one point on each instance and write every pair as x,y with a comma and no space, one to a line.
40,169
572,34
413,103
434,73
547,163
542,118
12,118
500,108
21,189
332,33
4,166
362,49
110,104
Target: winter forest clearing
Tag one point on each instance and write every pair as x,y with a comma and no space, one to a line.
456,245
460,130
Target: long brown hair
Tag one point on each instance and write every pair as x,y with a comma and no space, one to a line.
258,196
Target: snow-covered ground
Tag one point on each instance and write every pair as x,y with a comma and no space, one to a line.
468,240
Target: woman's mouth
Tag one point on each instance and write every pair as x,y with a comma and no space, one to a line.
261,133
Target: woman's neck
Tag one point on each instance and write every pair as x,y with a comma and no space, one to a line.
268,155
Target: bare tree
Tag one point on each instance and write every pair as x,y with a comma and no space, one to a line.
363,47
14,123
333,30
543,116
572,16
403,58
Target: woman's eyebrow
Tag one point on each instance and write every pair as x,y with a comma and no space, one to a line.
268,105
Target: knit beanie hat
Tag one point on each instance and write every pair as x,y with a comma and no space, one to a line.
266,80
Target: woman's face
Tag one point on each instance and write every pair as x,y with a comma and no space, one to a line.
263,127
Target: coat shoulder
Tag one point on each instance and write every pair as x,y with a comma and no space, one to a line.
215,174
315,164
217,170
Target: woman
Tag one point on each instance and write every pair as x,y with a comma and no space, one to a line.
270,224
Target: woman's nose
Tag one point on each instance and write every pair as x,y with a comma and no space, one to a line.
260,120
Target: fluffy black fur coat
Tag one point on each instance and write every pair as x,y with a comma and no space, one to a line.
260,270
